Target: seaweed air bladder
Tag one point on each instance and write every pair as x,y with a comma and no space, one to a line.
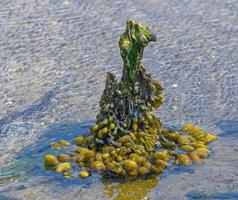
128,139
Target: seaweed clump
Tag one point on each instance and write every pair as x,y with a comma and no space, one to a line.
128,139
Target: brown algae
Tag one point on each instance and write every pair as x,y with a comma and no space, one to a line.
127,139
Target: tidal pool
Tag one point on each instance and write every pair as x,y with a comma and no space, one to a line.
53,58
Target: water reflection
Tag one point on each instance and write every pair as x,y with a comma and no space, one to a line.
129,189
28,163
193,195
228,127
36,109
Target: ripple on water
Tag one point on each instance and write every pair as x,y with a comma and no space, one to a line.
54,55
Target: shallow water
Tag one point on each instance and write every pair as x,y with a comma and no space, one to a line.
54,55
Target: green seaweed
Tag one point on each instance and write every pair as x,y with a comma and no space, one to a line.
132,43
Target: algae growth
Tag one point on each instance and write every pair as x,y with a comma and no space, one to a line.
128,140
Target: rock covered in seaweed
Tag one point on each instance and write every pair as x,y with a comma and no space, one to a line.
128,139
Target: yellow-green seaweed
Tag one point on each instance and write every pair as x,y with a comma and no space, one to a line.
84,174
128,139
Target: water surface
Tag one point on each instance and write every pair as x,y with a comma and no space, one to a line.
53,59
